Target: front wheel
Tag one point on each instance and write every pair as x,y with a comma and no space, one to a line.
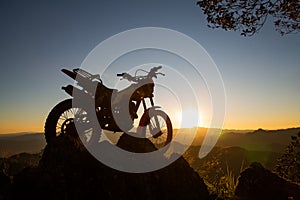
61,122
157,127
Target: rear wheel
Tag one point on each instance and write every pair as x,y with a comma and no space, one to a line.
62,119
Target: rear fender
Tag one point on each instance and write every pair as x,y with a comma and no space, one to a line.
69,73
71,90
81,98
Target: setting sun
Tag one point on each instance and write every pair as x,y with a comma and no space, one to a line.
188,118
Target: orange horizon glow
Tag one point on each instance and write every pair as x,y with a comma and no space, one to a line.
34,122
39,128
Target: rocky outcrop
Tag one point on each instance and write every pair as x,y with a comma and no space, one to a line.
4,185
256,182
68,171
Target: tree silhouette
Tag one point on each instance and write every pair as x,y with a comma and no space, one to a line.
288,165
249,16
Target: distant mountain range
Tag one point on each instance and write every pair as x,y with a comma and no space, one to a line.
256,140
251,140
11,144
260,140
236,149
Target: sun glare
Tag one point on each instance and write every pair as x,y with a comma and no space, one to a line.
188,119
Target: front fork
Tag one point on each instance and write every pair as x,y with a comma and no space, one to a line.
144,103
145,119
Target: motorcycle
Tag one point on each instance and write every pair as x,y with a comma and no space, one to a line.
115,110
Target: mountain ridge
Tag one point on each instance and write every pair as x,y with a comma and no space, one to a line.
260,139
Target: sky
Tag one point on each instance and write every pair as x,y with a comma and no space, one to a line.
39,38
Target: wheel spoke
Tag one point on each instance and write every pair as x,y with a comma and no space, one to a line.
76,111
160,133
63,115
62,118
72,110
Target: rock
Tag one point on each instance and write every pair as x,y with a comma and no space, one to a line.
256,182
4,185
68,171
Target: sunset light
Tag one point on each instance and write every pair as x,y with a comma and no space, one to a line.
260,73
192,118
151,99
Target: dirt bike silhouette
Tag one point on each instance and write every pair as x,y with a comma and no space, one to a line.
115,110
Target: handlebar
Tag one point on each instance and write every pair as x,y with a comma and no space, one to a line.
122,74
152,73
156,68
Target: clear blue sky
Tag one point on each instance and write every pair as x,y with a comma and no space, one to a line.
38,38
